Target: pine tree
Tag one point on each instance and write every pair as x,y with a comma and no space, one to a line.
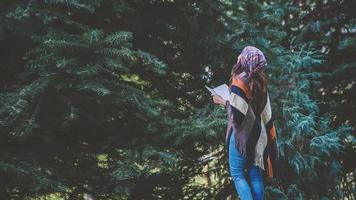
330,25
72,119
107,99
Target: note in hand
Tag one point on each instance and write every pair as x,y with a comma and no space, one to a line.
222,90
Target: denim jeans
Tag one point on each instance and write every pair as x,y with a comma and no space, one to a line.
252,189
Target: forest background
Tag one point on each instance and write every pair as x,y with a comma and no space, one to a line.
106,99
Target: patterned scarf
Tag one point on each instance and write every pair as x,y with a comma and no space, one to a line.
251,60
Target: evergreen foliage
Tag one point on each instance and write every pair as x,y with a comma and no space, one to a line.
330,25
107,98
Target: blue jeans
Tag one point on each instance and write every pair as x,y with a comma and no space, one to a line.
247,190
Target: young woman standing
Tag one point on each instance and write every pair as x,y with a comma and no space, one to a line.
251,135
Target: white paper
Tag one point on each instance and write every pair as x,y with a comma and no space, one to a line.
221,90
211,90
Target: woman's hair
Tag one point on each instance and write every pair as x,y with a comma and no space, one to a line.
257,87
258,90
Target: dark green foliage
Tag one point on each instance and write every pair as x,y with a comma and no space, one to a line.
80,96
330,25
107,98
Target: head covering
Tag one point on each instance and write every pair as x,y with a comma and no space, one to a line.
251,61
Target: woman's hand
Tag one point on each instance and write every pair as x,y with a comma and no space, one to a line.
218,100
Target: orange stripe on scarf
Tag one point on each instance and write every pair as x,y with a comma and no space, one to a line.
269,167
239,83
273,133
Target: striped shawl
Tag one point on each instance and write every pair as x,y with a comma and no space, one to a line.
255,135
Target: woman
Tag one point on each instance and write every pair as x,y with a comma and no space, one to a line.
251,136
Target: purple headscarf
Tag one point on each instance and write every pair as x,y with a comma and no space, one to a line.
251,60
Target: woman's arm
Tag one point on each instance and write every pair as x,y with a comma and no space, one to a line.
238,105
